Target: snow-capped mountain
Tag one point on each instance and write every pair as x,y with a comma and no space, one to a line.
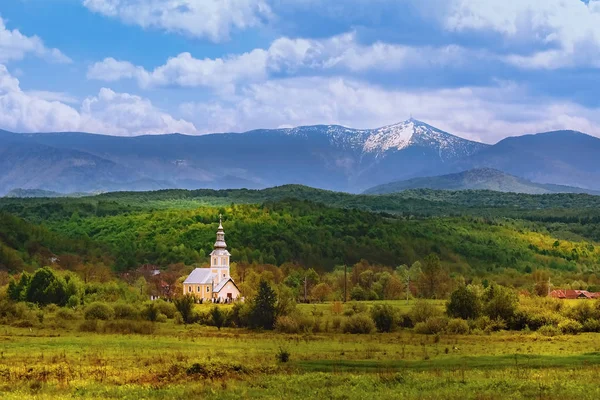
393,138
324,156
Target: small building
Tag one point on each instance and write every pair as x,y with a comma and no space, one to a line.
573,294
214,283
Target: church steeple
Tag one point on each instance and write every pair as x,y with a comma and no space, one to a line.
220,243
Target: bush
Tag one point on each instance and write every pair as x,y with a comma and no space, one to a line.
385,317
129,327
91,325
185,307
286,324
218,317
150,312
422,310
125,311
591,325
239,315
432,326
168,309
487,324
66,314
99,311
359,323
457,326
500,303
464,303
336,323
549,330
570,327
282,355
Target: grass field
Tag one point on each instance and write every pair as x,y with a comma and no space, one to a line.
178,361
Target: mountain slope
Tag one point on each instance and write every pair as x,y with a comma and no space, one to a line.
477,179
560,157
325,156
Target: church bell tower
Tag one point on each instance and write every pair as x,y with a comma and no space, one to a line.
219,258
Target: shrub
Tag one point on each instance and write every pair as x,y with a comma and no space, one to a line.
73,301
218,317
404,321
534,318
570,326
66,314
591,325
336,323
432,325
166,308
150,312
91,325
286,324
422,310
129,327
282,355
385,317
239,315
46,287
125,311
487,324
457,326
185,307
583,311
464,303
549,330
99,311
359,323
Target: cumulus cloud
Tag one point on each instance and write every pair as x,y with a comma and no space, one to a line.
479,113
108,112
211,19
15,46
342,53
567,30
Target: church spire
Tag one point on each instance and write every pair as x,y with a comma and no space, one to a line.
220,243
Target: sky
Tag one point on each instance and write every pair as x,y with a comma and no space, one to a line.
480,69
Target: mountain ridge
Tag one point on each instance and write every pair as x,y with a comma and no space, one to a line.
477,179
322,156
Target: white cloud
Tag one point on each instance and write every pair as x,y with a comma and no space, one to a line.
212,19
489,113
287,56
108,112
571,28
15,46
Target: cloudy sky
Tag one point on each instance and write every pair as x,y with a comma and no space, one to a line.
482,69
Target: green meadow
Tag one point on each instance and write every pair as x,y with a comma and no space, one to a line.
55,360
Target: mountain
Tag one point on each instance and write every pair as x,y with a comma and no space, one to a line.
477,179
559,157
324,156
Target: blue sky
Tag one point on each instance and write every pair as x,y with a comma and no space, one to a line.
480,69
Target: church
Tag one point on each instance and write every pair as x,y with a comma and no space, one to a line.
213,283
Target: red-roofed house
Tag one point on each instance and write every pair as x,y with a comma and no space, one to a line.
573,294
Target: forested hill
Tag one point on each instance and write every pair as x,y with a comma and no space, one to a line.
470,232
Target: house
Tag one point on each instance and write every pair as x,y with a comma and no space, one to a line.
213,283
573,294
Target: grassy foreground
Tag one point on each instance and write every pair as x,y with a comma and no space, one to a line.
179,361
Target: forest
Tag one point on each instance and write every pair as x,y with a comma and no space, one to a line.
513,239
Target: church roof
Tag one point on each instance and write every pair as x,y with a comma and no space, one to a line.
200,276
222,284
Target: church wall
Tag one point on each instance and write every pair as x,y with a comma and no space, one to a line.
198,291
228,288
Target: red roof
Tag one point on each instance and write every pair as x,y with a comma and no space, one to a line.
573,294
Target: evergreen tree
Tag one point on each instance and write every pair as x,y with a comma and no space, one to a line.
264,307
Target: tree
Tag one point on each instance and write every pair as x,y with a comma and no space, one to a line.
17,291
464,303
47,288
434,279
264,307
217,316
185,306
499,302
321,292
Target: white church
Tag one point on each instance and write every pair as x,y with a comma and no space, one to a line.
214,283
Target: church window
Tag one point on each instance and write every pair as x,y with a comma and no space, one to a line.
207,289
189,289
198,289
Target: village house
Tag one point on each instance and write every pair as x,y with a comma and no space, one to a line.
214,283
573,294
